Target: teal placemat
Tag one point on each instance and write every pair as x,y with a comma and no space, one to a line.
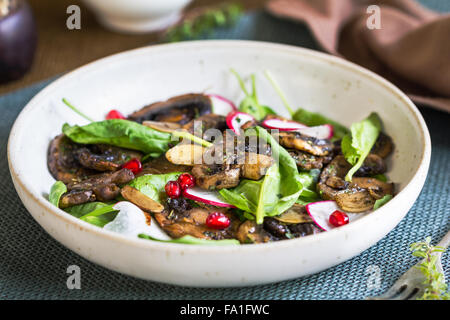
33,265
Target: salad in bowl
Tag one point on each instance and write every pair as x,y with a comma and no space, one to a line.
200,169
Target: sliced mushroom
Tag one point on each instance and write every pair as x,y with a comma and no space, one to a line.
332,177
141,200
104,157
180,109
307,161
354,200
178,223
76,197
256,165
377,189
100,187
303,229
372,165
298,141
120,177
294,215
250,232
360,194
106,192
161,165
200,125
61,161
211,177
276,228
383,146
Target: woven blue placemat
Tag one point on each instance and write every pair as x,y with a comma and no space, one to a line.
33,265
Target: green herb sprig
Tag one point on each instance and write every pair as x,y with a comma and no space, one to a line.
204,21
436,288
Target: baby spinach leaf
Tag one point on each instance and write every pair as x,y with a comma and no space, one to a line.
102,220
315,119
96,213
56,191
101,210
382,201
357,146
152,185
192,240
273,194
85,208
120,133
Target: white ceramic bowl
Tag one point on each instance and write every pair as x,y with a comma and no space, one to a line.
127,81
137,16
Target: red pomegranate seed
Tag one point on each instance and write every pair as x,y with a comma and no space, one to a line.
186,181
134,165
217,220
114,114
173,189
338,218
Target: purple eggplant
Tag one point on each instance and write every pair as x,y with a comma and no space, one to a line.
18,38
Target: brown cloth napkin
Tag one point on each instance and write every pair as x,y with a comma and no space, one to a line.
411,49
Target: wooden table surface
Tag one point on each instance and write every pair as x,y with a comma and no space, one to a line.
60,50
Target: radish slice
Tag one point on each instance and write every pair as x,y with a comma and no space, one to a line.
209,197
324,131
320,213
236,119
283,125
221,105
131,221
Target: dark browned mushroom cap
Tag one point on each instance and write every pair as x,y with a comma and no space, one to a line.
298,141
383,146
120,177
255,165
307,161
62,163
104,157
360,194
161,165
179,220
200,126
250,232
294,215
180,109
76,197
216,176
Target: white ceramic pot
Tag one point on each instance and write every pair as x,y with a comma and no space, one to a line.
341,90
137,16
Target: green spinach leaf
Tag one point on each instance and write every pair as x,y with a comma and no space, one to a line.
56,191
82,209
357,146
120,133
273,194
96,213
382,201
152,185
